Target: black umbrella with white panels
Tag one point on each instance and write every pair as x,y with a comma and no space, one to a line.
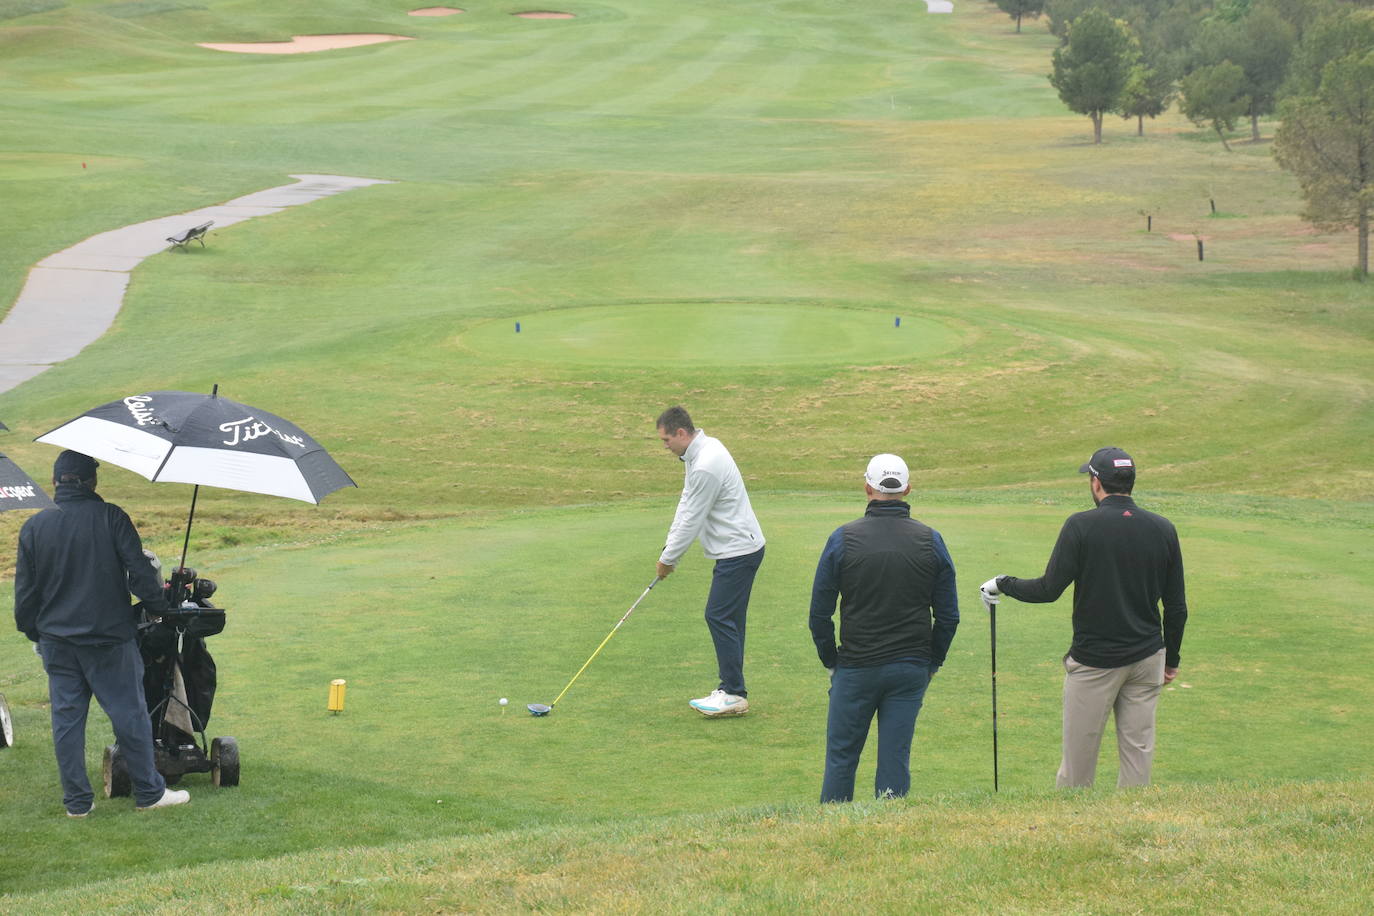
205,440
17,489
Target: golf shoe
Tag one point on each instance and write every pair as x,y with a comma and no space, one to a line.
169,797
720,703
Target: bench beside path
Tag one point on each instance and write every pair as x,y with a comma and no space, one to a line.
72,297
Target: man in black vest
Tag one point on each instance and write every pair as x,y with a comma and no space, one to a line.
1123,562
890,573
76,566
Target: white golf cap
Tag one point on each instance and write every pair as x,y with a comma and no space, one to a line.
887,473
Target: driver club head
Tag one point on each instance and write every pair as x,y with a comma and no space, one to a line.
539,709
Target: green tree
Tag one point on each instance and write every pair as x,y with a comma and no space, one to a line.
1215,95
1061,13
1339,32
1092,67
1018,8
1327,142
1147,94
1260,43
1303,14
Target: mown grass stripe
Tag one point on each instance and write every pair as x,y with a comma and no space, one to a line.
701,56
598,65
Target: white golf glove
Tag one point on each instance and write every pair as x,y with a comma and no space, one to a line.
831,672
991,593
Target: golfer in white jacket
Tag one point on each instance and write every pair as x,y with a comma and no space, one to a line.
715,508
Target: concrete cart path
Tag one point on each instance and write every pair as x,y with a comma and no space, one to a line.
72,297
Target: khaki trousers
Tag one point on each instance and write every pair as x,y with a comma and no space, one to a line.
1090,694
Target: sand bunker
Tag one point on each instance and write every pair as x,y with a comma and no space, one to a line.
303,44
436,11
543,14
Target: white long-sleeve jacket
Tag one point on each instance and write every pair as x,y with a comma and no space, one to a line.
714,506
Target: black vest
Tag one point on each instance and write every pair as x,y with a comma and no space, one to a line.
887,579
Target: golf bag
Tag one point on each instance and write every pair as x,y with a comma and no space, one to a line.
179,680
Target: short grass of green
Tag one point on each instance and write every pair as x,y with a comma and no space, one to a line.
747,333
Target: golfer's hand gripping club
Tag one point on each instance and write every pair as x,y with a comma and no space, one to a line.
990,592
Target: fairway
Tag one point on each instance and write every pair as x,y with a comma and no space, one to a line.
729,207
692,334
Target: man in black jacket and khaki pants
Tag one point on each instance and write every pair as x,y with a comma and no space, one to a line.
1123,562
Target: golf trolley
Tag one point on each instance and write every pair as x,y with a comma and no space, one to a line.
6,724
179,686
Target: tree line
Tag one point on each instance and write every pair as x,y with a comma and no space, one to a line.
1308,62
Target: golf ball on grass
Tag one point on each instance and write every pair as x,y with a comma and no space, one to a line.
504,701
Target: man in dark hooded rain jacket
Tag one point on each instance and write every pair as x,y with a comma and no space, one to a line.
76,567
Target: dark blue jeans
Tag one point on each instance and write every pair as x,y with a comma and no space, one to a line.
114,675
895,692
726,608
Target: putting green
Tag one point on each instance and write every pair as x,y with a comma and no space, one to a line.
713,333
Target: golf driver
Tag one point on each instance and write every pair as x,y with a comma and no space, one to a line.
540,709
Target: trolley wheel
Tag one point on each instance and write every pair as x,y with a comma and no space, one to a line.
116,773
224,762
6,724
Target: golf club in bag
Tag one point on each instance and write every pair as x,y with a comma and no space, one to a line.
539,709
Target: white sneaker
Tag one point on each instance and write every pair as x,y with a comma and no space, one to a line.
720,703
85,813
169,797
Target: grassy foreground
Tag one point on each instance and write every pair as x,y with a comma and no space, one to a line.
1236,848
432,622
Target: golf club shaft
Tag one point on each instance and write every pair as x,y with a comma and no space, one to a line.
604,641
992,622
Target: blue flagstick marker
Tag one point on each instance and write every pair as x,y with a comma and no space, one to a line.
517,327
898,322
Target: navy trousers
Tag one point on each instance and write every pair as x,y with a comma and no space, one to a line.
727,606
114,676
894,691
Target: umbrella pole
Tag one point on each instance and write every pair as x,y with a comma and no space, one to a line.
214,393
187,543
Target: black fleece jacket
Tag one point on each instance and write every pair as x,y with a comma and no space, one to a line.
76,566
1123,562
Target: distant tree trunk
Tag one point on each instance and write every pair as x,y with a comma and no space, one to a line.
1097,126
1223,137
1018,23
1140,125
1364,242
1254,127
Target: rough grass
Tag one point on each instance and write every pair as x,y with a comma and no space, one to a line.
1242,847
